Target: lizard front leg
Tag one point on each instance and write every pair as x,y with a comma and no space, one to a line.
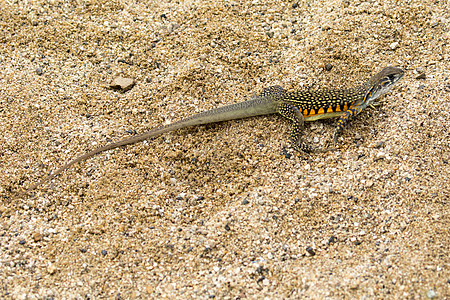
343,121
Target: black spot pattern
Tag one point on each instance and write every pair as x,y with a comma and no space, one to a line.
315,100
294,106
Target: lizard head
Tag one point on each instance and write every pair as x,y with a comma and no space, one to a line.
382,83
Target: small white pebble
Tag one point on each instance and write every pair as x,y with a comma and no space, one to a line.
431,294
51,269
394,45
381,155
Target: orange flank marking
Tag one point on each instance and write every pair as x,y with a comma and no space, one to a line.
321,111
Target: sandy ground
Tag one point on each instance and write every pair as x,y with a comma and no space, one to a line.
224,210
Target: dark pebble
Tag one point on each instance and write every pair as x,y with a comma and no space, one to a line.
311,251
121,60
83,250
245,202
39,71
379,145
22,242
328,67
332,240
421,76
104,252
286,154
227,227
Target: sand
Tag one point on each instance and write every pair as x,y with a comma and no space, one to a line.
229,210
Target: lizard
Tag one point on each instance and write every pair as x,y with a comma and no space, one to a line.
298,107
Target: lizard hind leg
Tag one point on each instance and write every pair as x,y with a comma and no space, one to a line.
293,114
272,91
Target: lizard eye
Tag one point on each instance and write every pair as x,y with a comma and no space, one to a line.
388,81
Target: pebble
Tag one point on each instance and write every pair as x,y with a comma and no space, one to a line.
394,45
121,83
37,236
332,240
381,155
311,251
431,294
172,27
421,76
51,269
379,145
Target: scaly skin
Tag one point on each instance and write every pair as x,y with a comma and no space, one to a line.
297,107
